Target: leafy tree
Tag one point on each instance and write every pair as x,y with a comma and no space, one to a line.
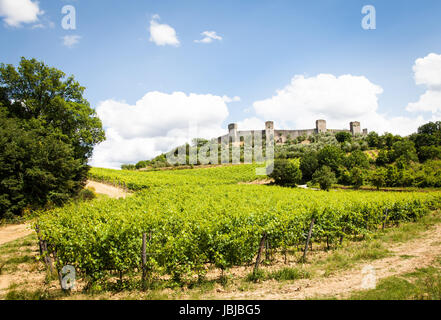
431,128
345,177
141,164
357,177
405,150
331,156
357,159
343,136
128,167
383,158
378,178
286,172
429,152
388,139
37,168
325,177
373,139
392,176
308,165
427,140
48,133
36,91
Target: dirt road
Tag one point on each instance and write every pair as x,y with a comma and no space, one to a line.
14,232
111,191
408,256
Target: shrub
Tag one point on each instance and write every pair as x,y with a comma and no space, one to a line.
357,177
378,178
343,136
289,274
286,172
308,165
86,195
325,177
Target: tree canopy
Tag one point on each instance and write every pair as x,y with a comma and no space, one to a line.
48,132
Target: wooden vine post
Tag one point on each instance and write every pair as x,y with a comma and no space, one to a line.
385,219
44,252
308,239
144,261
259,252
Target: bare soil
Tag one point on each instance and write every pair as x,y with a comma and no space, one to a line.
13,232
106,189
408,256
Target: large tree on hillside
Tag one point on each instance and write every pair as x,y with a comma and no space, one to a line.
48,133
428,140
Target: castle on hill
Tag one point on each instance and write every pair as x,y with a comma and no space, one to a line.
281,136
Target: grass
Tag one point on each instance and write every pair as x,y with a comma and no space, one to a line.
15,294
423,284
345,258
15,253
284,274
409,231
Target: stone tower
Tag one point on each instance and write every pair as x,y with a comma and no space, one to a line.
269,125
320,126
269,129
232,131
355,127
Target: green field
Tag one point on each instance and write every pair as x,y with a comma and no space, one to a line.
202,218
137,180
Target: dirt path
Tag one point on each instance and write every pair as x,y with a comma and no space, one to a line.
14,232
406,257
111,191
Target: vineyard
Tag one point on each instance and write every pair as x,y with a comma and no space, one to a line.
194,220
137,180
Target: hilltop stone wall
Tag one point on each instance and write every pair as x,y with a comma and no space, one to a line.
281,136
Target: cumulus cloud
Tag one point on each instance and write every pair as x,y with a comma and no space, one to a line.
71,40
162,34
229,100
251,124
428,72
339,100
155,124
208,37
17,12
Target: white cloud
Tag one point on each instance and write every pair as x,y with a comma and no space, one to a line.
430,101
155,124
162,34
44,24
71,41
38,26
251,124
17,12
428,72
229,100
339,100
209,36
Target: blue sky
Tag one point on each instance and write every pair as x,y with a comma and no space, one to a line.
264,45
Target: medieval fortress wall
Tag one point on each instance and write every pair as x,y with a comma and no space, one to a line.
281,136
